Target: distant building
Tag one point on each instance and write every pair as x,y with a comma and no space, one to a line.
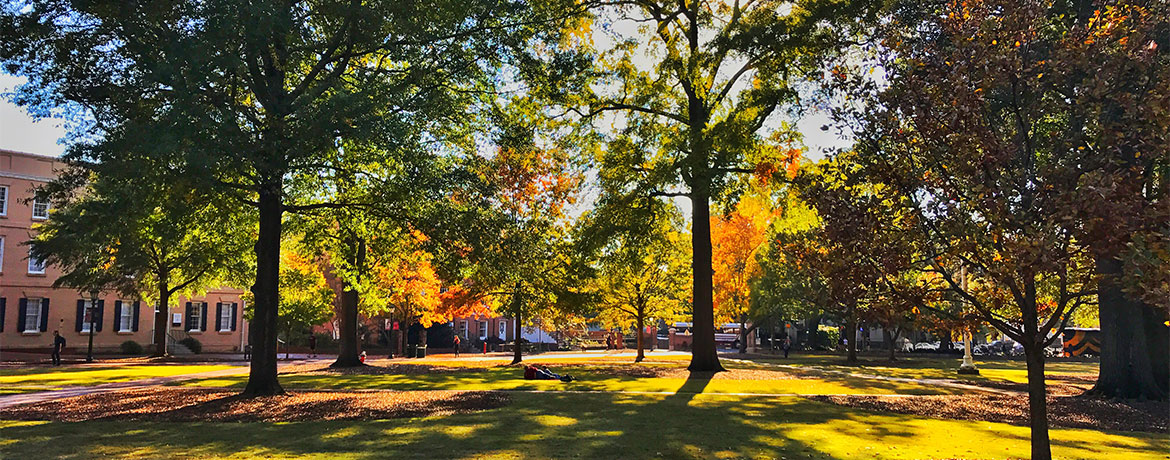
31,309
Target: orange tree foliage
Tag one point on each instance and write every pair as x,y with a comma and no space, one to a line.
736,239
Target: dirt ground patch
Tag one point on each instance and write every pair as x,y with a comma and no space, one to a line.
388,369
176,404
1063,411
1061,385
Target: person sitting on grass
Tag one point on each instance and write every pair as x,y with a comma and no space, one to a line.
537,373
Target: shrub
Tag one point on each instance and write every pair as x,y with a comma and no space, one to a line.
131,347
828,337
192,345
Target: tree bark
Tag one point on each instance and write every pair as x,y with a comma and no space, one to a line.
850,335
812,328
161,320
517,356
640,332
1134,343
1037,402
704,355
890,339
262,332
348,346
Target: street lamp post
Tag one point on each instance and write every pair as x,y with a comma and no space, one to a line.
968,366
93,298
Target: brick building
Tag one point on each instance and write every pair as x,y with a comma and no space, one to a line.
31,309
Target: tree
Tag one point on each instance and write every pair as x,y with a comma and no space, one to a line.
255,97
703,108
513,250
131,231
736,240
306,300
961,139
640,271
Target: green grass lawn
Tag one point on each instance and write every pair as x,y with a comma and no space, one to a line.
589,378
31,379
601,425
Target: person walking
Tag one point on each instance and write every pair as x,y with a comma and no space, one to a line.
312,346
58,346
787,346
456,342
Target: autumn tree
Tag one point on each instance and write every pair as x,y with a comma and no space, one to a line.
129,230
704,102
255,97
736,242
962,138
508,246
306,300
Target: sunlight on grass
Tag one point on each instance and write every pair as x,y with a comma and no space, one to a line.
559,425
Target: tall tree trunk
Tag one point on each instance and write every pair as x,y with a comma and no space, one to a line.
704,355
349,348
890,339
266,294
1037,402
850,335
640,332
517,355
1133,356
812,328
161,320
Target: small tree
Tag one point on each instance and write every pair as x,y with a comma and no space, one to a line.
641,272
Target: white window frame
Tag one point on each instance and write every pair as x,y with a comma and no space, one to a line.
32,259
126,321
225,317
4,201
502,332
1,254
481,329
86,311
197,313
37,202
463,328
35,324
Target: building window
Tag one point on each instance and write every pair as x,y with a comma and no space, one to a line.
87,315
1,253
193,316
3,200
36,265
463,329
40,208
503,329
225,317
32,316
482,329
126,321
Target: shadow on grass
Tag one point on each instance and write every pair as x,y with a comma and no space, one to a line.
597,425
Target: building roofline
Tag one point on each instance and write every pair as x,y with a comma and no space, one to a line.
29,154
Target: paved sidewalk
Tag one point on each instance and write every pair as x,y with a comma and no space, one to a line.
936,382
13,400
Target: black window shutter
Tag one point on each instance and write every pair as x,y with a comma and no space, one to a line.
187,318
117,316
80,314
218,316
3,310
134,325
235,313
22,312
203,317
44,315
101,314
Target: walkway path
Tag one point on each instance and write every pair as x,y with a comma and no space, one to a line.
68,392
